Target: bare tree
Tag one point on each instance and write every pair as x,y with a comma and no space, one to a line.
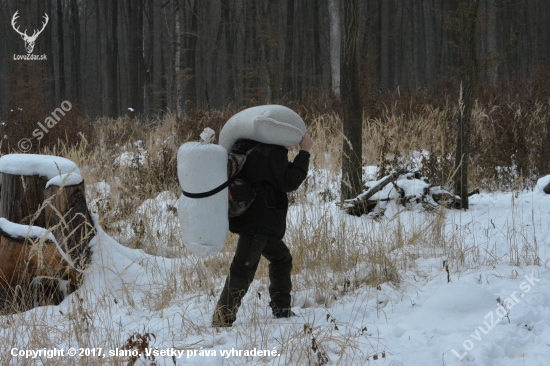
76,66
236,51
112,58
289,45
191,52
61,53
351,106
335,40
384,44
177,59
468,10
135,54
492,70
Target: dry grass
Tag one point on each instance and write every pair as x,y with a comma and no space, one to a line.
333,255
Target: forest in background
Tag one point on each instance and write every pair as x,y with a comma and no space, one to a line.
132,66
170,55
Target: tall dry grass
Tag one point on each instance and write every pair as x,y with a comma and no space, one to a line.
130,162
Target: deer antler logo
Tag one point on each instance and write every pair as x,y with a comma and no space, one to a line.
29,40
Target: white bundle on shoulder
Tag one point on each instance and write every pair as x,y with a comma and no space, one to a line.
270,124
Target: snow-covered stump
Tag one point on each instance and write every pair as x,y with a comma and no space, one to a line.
31,268
41,197
20,198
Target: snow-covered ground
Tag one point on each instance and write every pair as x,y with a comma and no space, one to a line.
431,314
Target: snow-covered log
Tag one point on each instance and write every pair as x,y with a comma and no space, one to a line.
407,189
362,204
543,184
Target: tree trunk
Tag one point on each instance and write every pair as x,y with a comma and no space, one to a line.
98,33
318,76
28,269
191,53
69,214
468,89
50,68
289,45
112,59
229,33
20,198
351,106
135,52
149,104
335,41
492,71
31,273
76,74
384,45
177,59
61,53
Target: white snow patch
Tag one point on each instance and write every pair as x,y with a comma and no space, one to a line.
67,179
543,182
18,231
31,164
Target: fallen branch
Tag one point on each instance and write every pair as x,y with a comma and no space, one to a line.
362,204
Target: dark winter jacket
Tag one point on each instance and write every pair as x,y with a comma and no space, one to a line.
268,170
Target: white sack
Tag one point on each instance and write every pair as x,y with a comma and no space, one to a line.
203,221
270,124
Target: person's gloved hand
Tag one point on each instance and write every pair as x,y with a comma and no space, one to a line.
306,143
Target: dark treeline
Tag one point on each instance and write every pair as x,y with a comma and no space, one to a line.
159,55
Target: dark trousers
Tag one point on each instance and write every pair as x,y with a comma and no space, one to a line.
243,268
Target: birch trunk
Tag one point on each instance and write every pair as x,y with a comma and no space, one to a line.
335,42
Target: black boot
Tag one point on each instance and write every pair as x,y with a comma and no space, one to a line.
223,316
283,313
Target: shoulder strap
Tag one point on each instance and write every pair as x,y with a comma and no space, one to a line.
236,161
234,165
209,193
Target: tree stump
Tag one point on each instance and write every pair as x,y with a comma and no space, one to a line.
46,230
67,214
31,268
20,198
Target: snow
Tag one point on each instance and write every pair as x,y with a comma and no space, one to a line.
32,164
542,183
18,231
134,158
32,232
420,319
67,179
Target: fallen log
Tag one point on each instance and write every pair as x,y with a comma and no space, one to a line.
449,200
409,188
362,204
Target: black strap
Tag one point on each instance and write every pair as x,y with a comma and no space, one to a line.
217,189
209,193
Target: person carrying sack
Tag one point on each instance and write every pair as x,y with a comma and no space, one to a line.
262,227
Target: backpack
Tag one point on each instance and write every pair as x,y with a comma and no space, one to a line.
241,194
